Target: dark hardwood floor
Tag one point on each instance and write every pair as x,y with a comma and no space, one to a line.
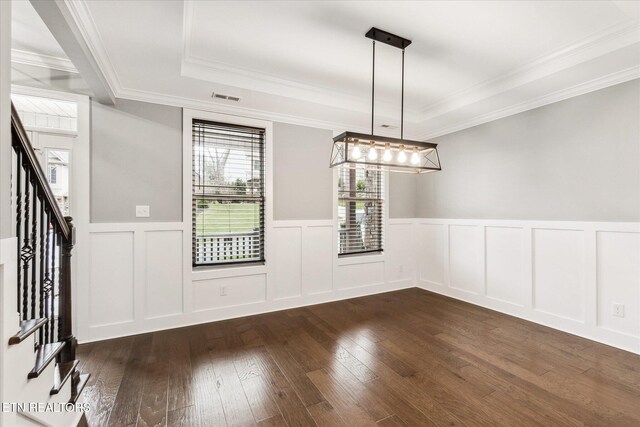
405,358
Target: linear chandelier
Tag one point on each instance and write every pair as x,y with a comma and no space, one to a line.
380,152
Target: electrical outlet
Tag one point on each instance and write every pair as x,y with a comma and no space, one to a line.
400,270
618,310
142,211
223,291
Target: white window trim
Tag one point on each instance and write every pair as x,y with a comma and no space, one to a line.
212,271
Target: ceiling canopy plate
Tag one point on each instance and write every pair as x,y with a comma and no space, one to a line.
387,38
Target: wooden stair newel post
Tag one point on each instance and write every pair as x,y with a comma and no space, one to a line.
68,353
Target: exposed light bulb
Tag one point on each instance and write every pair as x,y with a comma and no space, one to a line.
373,154
415,158
402,156
356,153
387,153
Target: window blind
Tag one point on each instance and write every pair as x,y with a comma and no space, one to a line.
360,210
228,193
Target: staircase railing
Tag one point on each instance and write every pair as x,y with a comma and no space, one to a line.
45,243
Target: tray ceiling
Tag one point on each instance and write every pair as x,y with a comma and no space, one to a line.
309,62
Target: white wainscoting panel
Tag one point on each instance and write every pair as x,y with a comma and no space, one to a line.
465,258
141,278
432,250
163,273
565,275
112,290
562,274
504,266
618,279
360,275
239,290
399,243
317,259
558,273
287,261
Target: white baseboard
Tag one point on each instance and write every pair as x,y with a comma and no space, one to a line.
100,333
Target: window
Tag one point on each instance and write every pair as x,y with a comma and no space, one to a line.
53,174
228,193
360,210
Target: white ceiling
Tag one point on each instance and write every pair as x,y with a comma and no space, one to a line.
31,41
309,62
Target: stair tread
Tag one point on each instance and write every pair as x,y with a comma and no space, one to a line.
78,386
27,327
44,356
62,373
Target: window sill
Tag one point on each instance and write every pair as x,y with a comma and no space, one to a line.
206,272
364,258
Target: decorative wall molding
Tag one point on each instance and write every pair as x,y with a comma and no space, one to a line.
301,271
561,274
43,61
565,275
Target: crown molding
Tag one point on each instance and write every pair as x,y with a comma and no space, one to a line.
197,67
553,97
589,48
234,110
88,30
594,46
43,61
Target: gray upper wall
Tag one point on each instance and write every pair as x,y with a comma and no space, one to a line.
136,159
575,160
302,179
402,195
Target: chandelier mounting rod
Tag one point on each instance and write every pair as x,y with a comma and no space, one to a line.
373,84
401,101
386,37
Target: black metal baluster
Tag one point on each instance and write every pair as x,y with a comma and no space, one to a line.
24,253
52,294
47,275
61,297
34,247
18,216
43,265
45,240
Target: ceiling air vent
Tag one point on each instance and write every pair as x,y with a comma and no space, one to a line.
227,97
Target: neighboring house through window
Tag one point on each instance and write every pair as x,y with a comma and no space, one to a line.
228,193
53,174
360,210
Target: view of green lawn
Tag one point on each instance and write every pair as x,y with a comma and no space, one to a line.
228,218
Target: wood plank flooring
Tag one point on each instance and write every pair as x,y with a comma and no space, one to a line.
405,358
